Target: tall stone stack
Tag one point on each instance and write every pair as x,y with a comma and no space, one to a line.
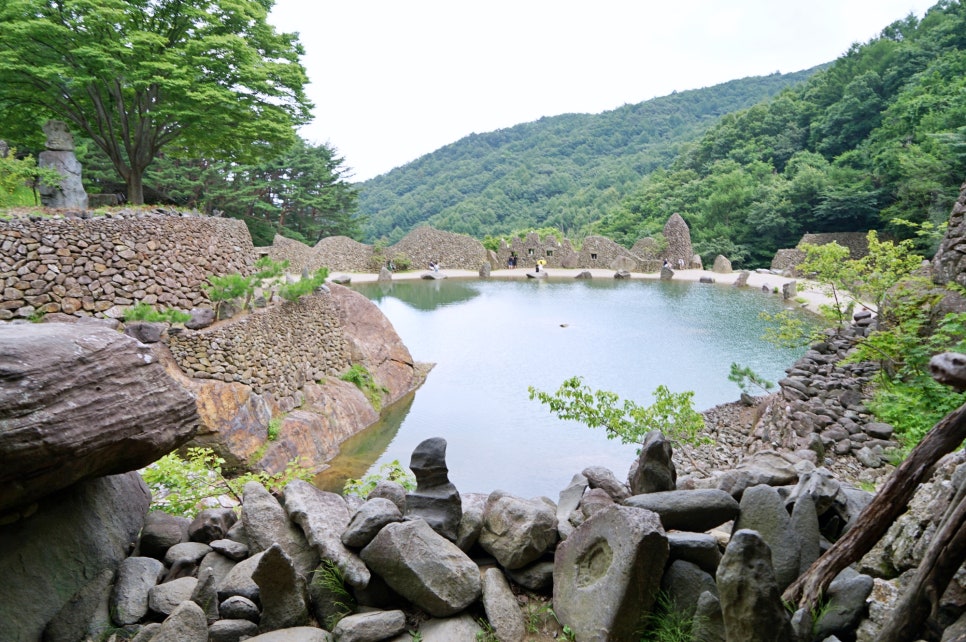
59,155
678,236
949,264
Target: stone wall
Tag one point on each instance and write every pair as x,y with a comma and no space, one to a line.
99,265
857,242
274,350
949,264
425,244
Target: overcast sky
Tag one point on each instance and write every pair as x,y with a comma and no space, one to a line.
392,80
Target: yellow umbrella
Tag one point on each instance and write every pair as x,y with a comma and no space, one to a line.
542,262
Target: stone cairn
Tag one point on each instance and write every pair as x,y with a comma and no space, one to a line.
59,155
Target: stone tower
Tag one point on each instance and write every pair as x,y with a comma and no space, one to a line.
59,155
678,238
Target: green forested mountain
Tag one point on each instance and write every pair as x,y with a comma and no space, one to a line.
875,140
563,171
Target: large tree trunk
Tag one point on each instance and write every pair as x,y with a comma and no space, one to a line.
135,187
878,516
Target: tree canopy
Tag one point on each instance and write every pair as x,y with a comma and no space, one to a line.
196,78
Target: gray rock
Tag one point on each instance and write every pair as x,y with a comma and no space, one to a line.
282,591
453,629
205,594
73,536
161,531
804,523
751,603
956,630
721,265
367,627
232,630
697,548
219,564
129,598
70,192
653,470
585,274
186,623
535,577
708,623
502,611
607,573
485,270
666,273
517,531
868,457
200,318
846,598
323,517
568,503
742,279
186,552
229,548
393,491
165,598
435,499
132,411
683,583
86,615
239,608
295,634
471,523
622,274
147,632
878,430
267,523
603,478
424,567
145,331
211,524
239,580
763,511
369,520
592,502
689,510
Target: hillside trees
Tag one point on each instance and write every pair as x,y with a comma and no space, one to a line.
197,78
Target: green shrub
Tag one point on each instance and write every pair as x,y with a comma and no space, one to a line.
393,471
179,485
293,291
360,376
142,311
331,579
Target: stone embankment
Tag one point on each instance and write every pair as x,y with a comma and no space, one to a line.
101,265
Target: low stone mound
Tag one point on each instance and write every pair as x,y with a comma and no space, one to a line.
343,253
425,244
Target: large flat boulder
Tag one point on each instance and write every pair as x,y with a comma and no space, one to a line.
79,400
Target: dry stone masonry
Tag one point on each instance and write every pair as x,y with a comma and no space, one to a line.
98,266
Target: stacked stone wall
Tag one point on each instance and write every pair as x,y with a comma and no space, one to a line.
98,266
601,252
857,242
274,350
299,255
425,244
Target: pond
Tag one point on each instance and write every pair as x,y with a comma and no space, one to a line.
491,339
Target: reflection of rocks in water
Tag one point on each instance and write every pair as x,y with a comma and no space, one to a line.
359,452
423,294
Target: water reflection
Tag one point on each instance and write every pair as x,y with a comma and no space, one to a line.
422,295
357,453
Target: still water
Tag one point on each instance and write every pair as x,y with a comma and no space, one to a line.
491,339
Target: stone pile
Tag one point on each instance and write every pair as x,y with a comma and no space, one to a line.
821,408
313,563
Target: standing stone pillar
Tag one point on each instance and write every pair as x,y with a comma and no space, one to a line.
59,155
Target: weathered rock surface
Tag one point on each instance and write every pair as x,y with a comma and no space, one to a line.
282,591
187,623
949,264
376,625
689,510
369,520
135,577
424,567
750,598
607,573
267,523
78,401
435,499
653,470
323,517
73,536
502,611
517,531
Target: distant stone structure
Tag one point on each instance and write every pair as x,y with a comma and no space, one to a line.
59,155
786,260
721,265
678,236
